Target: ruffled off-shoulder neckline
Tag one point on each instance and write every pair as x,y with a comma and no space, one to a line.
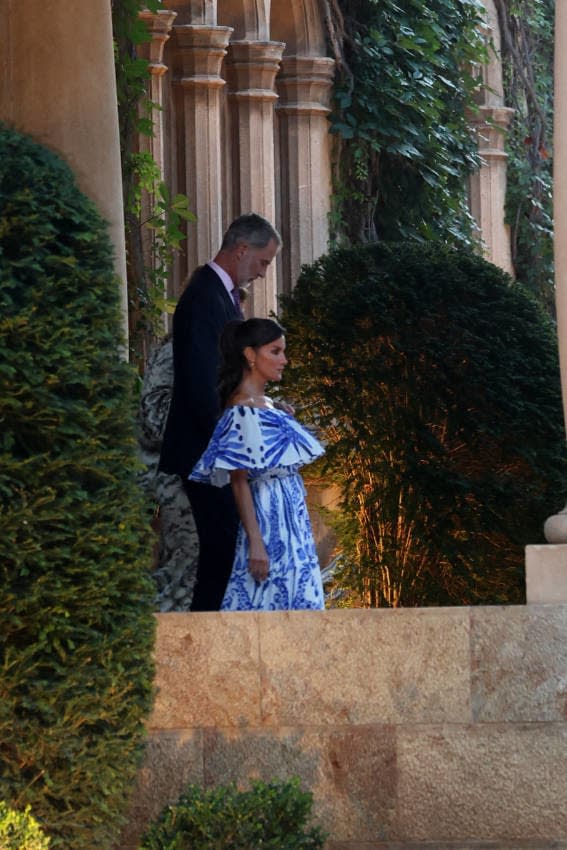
259,439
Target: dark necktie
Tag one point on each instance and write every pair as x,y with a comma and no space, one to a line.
236,298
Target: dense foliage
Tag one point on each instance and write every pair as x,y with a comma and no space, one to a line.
20,830
436,385
271,816
526,28
406,71
75,606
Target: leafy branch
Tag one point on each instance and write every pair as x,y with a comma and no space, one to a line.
408,69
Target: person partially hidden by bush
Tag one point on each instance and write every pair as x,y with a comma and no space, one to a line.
434,379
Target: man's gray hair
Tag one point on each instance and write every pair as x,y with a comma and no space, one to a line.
251,228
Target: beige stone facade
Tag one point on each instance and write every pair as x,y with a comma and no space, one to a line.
419,728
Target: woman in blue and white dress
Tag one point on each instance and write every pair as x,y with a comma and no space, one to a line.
259,448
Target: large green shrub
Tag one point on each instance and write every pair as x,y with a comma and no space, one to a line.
436,384
20,830
75,605
271,816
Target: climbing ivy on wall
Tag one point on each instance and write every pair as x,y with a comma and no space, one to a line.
407,69
526,28
142,181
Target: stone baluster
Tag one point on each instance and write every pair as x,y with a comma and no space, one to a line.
199,52
304,85
251,71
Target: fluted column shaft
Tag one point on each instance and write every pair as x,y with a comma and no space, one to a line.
199,53
304,85
159,26
251,70
488,184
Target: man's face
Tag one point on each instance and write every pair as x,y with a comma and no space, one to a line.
254,262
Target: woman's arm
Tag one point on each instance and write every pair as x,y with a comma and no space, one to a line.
259,562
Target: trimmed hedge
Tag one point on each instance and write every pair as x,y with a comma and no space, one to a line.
435,381
76,602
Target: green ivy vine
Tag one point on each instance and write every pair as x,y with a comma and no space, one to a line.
526,28
147,277
407,70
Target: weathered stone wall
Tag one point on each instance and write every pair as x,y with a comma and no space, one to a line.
439,728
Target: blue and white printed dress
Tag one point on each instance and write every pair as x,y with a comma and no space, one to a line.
272,445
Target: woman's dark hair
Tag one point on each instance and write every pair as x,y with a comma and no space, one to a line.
237,336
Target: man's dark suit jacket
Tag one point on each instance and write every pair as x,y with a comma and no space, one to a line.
200,316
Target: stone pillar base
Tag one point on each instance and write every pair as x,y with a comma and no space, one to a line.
546,573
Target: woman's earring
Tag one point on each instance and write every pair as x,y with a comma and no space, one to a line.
251,365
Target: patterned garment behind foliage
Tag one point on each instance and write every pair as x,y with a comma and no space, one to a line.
273,446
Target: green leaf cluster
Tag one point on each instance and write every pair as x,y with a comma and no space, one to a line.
272,816
409,70
20,831
76,600
527,58
435,383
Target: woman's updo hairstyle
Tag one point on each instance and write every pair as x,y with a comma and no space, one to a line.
236,336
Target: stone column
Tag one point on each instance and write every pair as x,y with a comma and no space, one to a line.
304,85
488,184
58,84
199,53
491,122
159,26
252,67
546,566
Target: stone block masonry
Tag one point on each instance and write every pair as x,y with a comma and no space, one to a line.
429,728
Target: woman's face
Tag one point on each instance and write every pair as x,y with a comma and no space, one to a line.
269,360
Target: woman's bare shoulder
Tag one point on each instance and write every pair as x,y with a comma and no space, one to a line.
244,400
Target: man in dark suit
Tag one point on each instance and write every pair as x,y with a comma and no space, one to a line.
210,300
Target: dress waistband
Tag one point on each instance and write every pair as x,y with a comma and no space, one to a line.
270,474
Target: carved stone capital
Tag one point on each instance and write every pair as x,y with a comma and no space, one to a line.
491,124
304,84
159,26
252,67
199,53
